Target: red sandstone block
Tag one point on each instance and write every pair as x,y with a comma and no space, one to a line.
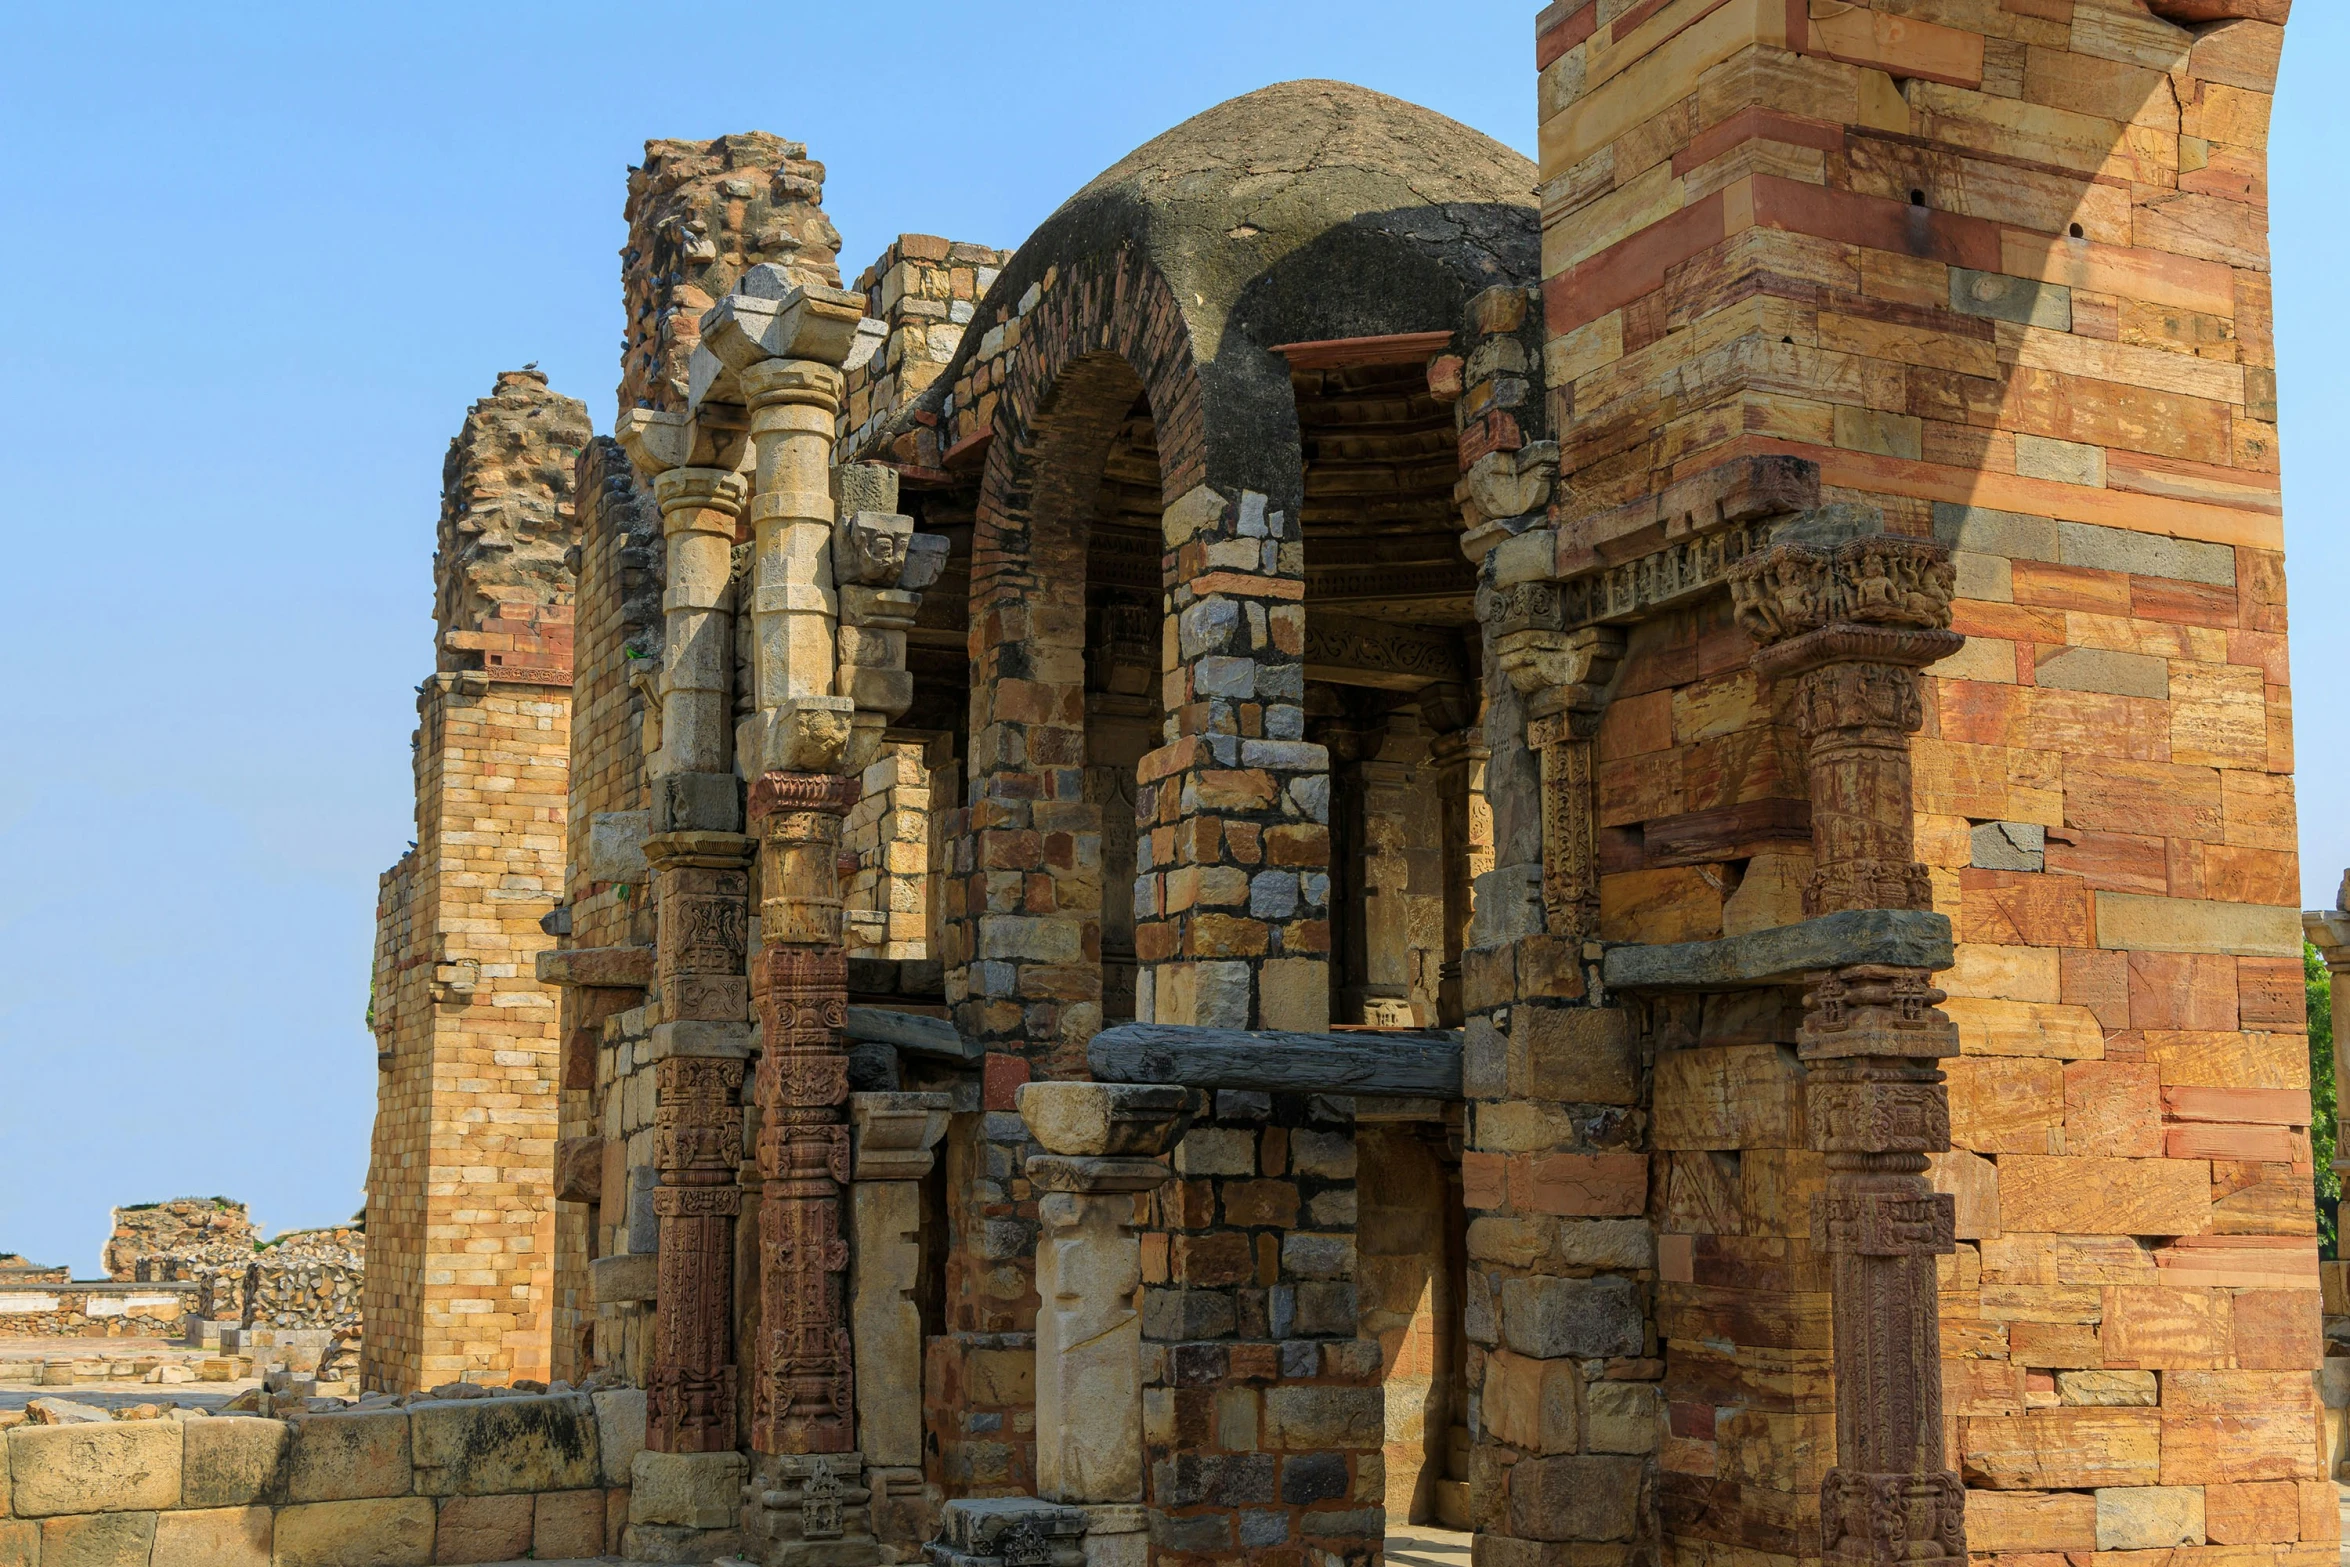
1581,1185
2112,1108
1000,1078
2271,992
1484,1180
2259,1106
2020,908
2244,875
2256,1512
2179,990
2112,862
2277,1330
2253,1144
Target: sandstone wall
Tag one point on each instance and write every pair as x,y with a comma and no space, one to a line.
460,1206
490,1479
2000,271
92,1310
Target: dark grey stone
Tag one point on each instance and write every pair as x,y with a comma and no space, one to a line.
2009,846
1313,1477
1904,938
1301,1358
1587,1319
1265,1527
930,1036
1327,1310
1175,1315
1200,1532
1426,1065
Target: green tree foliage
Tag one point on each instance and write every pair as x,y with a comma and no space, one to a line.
2321,1094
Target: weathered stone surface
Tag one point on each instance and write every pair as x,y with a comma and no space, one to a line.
1279,1062
620,1431
566,1524
484,1528
20,1543
376,1532
1586,1318
214,1537
115,1539
338,1457
685,1490
1097,1119
1532,1403
1904,938
2149,1517
481,1446
1576,1496
121,1466
234,1463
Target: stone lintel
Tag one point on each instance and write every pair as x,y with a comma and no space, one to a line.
630,1276
1899,938
1410,1065
929,1036
610,968
705,1038
1741,490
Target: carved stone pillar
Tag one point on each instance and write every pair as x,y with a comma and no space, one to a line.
894,1134
802,1399
1101,1141
697,1134
1459,758
699,507
1563,675
702,892
1853,619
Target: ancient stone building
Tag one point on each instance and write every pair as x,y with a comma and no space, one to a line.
460,1222
1601,852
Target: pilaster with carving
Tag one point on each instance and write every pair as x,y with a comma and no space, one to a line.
1563,674
803,1400
697,1141
1853,619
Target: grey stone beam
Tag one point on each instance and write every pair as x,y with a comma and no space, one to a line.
1902,938
1419,1065
929,1036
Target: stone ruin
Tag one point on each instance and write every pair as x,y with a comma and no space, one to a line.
1599,852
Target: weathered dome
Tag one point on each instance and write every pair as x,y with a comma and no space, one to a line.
1310,209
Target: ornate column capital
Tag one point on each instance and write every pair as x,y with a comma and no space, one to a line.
703,500
1882,598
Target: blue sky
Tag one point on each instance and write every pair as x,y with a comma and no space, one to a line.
260,259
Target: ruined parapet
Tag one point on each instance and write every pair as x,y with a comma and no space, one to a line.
149,1230
466,1034
920,295
501,585
700,214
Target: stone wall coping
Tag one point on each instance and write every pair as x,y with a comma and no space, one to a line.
1901,938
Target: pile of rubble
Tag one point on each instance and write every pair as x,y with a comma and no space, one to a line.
302,1279
148,1230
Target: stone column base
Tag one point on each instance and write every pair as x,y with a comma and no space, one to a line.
812,1510
1012,1531
655,1542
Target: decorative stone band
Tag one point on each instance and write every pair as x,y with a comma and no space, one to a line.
1008,1531
1885,1224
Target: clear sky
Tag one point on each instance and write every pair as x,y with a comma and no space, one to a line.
258,259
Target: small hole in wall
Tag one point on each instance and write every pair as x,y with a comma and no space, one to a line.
2079,232
1917,198
1786,340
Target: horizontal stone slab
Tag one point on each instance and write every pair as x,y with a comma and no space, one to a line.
611,968
1415,1065
930,1036
1902,938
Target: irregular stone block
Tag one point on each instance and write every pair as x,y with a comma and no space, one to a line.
392,1531
99,1540
620,1431
2149,1517
20,1543
233,1463
121,1466
483,1529
1581,1055
212,1537
1301,1419
685,1490
1101,1118
1531,1403
2108,1389
1588,1319
482,1446
335,1458
1904,938
1622,1417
